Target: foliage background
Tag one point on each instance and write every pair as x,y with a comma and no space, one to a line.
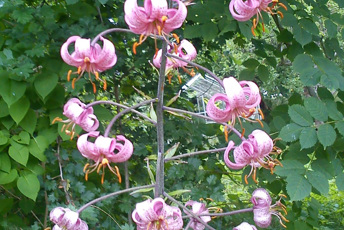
297,63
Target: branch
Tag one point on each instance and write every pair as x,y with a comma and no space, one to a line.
198,66
108,128
195,153
113,194
188,211
107,32
225,213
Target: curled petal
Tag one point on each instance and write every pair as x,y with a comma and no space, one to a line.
262,142
86,148
198,208
107,56
174,218
74,108
70,59
88,122
175,17
105,145
262,217
235,92
187,51
245,226
145,211
123,151
228,162
155,8
261,198
244,153
252,94
170,63
219,115
243,11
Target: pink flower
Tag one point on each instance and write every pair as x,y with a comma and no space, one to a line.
252,152
92,59
156,215
78,114
244,10
103,151
245,226
198,208
241,99
66,219
262,208
154,18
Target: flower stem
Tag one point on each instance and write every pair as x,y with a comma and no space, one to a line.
188,211
122,106
195,153
198,66
113,194
160,174
107,32
225,213
108,128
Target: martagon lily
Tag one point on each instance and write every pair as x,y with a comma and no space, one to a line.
185,50
198,209
263,210
244,10
104,151
154,18
66,219
254,152
77,114
157,215
88,58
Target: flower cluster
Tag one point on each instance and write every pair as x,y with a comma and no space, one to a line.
244,10
254,152
64,218
156,214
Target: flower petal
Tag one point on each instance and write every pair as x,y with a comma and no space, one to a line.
245,226
107,57
228,162
125,150
175,17
86,148
262,142
219,115
235,92
70,59
252,94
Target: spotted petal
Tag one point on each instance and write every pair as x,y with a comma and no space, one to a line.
219,115
229,163
262,142
176,17
245,226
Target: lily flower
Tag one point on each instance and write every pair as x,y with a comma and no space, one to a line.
254,152
198,209
262,208
244,10
64,218
241,99
104,151
245,226
92,59
77,114
154,18
185,50
157,215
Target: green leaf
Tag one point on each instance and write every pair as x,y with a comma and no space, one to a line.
290,132
22,16
340,127
19,153
251,63
331,71
3,109
29,122
326,135
247,74
171,151
318,181
152,113
324,93
316,108
308,137
178,192
303,64
19,109
340,182
37,147
331,28
333,112
29,185
263,73
143,190
298,187
209,31
302,36
300,115
309,26
5,163
6,178
71,2
3,138
290,167
22,138
45,84
10,90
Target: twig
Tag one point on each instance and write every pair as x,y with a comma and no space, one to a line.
225,213
188,211
108,128
112,194
39,221
195,153
107,32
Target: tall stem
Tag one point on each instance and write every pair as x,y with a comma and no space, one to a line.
159,188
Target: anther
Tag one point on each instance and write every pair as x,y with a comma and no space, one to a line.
252,30
260,122
280,14
169,77
73,83
179,79
284,7
86,175
261,113
56,119
118,175
246,182
79,70
68,75
134,47
175,48
94,87
85,167
176,37
105,85
96,74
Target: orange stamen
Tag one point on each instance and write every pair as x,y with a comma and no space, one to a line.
79,70
252,30
169,77
284,7
97,75
105,84
260,122
73,83
280,14
141,39
94,87
176,37
134,47
118,175
103,175
254,176
261,113
159,30
68,75
85,167
175,48
246,182
56,119
179,79
226,133
263,26
86,175
243,133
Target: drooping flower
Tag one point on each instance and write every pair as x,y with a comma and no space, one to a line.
262,208
245,226
241,99
66,219
154,18
104,151
254,152
88,58
77,114
185,50
198,209
244,10
157,215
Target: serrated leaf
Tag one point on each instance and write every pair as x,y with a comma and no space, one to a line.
308,137
340,182
300,115
250,63
309,26
9,177
298,187
289,167
318,181
171,151
290,132
301,35
331,28
19,153
332,110
263,73
326,135
331,71
340,127
316,108
29,186
45,84
19,109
